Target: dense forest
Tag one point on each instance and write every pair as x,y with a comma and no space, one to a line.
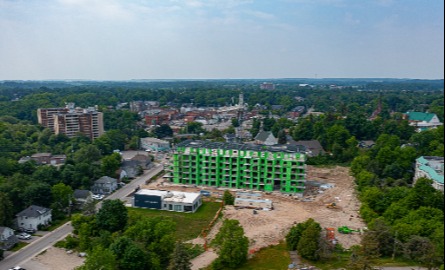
408,215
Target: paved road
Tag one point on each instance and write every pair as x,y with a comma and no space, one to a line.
35,247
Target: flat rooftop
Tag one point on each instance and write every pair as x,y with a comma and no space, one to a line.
240,146
171,196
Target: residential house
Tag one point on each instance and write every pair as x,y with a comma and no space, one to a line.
423,121
33,217
7,238
82,197
296,112
266,138
133,165
366,144
45,158
431,168
313,147
104,185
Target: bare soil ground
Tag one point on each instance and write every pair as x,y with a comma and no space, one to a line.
268,228
54,259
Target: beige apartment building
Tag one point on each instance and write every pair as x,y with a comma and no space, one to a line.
72,121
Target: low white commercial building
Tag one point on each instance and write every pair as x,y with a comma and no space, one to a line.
167,200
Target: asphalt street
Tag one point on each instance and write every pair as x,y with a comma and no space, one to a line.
42,243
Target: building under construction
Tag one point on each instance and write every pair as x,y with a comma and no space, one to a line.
239,166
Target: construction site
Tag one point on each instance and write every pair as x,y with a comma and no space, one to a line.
329,199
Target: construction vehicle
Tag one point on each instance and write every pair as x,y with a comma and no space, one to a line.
332,206
330,234
346,230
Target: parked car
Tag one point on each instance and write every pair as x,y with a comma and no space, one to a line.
98,196
205,193
24,236
17,268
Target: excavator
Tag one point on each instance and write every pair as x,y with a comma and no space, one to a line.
346,230
332,205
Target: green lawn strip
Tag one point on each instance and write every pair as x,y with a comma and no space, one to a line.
19,246
56,224
188,225
270,258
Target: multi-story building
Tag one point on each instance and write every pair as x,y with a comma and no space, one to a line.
71,121
431,168
239,166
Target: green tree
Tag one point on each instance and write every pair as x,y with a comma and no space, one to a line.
228,198
180,258
110,164
112,216
295,233
62,197
422,250
232,244
308,245
282,139
163,131
100,258
87,154
6,210
128,254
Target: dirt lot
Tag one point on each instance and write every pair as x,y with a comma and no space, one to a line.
54,259
270,227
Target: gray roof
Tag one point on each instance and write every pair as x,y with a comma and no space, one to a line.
33,211
263,135
105,179
314,146
2,229
81,193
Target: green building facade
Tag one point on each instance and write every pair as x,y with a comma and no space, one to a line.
232,166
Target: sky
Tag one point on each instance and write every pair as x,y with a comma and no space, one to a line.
220,39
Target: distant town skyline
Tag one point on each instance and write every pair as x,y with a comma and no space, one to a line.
220,39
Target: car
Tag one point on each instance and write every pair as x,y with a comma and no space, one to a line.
24,236
29,230
98,196
17,268
205,193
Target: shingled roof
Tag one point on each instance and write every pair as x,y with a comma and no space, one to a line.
33,211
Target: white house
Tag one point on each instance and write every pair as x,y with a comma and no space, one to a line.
7,238
105,185
82,197
33,216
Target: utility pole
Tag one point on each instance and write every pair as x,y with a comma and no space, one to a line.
395,246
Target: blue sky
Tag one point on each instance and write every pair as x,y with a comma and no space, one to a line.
200,39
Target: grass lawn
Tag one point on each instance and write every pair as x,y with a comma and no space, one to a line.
19,246
271,258
188,225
